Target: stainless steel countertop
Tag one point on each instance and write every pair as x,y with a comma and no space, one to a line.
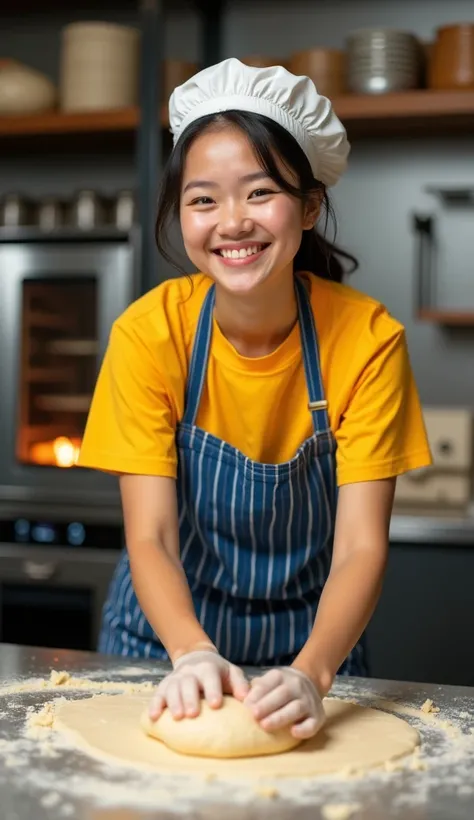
431,528
382,796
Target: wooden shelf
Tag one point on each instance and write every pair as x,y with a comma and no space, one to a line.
364,115
62,133
40,432
55,122
14,7
39,319
64,403
74,347
448,318
48,375
421,111
406,105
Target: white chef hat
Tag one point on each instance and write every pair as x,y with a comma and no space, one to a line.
293,102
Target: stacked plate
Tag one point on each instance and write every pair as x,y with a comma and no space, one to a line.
382,60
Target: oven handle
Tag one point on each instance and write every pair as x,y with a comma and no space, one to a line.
37,571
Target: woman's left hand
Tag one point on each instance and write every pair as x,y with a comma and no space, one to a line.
286,697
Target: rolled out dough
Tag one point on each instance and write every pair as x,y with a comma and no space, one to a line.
230,731
355,737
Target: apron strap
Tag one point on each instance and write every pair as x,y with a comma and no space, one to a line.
199,359
309,342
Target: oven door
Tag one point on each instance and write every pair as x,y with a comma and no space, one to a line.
53,596
58,301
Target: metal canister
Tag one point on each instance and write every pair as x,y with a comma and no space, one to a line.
50,213
380,61
16,211
87,210
124,210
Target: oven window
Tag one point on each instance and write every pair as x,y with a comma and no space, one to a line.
58,368
56,617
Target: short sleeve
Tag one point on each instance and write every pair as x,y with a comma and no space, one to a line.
381,432
131,424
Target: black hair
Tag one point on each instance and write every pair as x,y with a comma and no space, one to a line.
316,253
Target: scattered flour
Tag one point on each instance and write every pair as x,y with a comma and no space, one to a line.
270,792
30,749
51,800
339,811
63,680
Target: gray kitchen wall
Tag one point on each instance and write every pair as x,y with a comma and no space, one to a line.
375,201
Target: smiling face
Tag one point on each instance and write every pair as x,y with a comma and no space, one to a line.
238,225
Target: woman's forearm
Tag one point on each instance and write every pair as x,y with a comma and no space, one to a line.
164,595
346,606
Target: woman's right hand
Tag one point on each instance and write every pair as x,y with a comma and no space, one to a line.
197,673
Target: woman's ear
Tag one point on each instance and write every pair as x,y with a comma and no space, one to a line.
312,209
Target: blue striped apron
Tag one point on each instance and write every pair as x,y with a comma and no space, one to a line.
255,539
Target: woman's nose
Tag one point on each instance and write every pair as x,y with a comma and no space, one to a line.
234,220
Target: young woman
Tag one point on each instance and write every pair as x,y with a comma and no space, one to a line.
257,413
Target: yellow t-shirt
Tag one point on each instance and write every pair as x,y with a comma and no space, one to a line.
258,405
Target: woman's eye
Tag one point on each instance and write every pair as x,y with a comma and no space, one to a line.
262,192
202,200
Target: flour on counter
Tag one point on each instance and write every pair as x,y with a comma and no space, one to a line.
122,672
339,811
269,792
51,800
63,680
43,762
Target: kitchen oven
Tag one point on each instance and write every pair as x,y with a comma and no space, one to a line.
59,295
54,577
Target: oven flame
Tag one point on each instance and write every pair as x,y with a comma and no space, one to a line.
61,452
65,452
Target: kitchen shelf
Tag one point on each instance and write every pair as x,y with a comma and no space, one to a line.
364,115
62,132
421,111
14,7
448,318
64,403
38,319
42,432
459,197
67,234
48,375
56,122
74,347
63,123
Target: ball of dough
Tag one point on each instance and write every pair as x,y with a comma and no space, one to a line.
230,731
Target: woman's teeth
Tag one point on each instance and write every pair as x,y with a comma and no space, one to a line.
241,253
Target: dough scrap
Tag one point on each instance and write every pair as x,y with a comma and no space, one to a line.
339,811
429,706
44,718
108,726
59,678
230,731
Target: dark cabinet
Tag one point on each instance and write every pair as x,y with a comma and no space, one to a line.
423,626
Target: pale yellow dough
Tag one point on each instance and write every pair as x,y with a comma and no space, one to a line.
230,731
354,738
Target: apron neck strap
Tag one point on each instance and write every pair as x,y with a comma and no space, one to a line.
317,404
309,343
199,359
